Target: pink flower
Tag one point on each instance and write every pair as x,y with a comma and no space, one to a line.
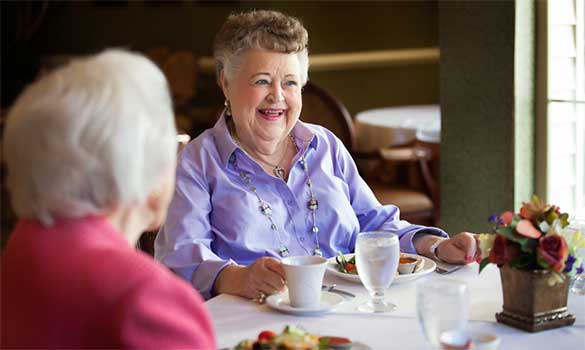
503,251
534,209
552,252
527,229
507,217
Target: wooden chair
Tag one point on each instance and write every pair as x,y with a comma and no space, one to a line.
322,108
401,176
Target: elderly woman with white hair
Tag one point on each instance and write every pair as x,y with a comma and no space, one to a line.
261,184
90,151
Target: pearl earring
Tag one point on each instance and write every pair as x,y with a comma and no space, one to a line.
228,108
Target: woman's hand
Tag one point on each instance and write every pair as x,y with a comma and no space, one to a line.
264,276
459,249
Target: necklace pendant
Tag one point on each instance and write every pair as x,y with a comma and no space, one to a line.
312,204
283,251
279,172
265,209
317,252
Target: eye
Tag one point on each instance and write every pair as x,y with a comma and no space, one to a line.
261,82
291,83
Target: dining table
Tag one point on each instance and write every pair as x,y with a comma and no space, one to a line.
235,318
396,126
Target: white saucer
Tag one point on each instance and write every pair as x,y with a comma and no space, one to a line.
428,267
281,303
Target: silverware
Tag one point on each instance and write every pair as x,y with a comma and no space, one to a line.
332,288
443,271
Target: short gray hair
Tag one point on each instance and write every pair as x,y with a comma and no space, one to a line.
89,137
259,29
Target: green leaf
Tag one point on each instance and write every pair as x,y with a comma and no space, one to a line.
515,219
483,264
527,244
564,220
551,216
523,261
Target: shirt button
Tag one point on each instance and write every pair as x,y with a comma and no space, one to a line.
302,239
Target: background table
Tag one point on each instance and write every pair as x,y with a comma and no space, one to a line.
393,126
236,318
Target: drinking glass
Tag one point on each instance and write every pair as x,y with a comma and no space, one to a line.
442,306
577,281
376,255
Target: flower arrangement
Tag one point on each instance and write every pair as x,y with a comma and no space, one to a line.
536,238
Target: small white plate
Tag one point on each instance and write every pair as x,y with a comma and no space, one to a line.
428,267
281,303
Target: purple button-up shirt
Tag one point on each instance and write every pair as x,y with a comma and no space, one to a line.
214,219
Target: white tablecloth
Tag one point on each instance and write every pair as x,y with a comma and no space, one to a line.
236,318
392,126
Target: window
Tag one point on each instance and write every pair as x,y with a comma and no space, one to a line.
565,173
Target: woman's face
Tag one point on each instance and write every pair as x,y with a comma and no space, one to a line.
265,98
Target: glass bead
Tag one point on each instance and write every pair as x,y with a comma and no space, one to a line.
283,251
318,252
313,204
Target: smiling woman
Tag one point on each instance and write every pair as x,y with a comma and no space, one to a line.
262,185
264,98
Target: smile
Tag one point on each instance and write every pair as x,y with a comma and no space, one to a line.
272,114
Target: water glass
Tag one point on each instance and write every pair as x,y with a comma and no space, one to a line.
442,306
578,284
376,255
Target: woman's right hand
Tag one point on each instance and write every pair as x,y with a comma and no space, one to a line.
263,276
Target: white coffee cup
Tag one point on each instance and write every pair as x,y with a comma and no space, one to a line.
304,277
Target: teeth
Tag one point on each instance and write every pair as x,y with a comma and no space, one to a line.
272,111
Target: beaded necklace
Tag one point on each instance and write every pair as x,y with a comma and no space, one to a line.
266,210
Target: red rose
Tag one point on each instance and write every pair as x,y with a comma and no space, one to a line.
503,251
552,252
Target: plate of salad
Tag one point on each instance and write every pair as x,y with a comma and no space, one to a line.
295,338
343,266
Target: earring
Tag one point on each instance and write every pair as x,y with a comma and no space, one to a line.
228,108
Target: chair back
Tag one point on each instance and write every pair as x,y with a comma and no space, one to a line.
322,108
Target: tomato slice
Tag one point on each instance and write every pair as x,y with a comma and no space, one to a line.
266,335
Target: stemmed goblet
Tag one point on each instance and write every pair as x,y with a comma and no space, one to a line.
377,257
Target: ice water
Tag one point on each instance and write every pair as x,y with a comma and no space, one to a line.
377,260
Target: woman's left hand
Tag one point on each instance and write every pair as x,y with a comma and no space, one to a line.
459,249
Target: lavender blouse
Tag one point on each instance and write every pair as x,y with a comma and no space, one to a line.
215,220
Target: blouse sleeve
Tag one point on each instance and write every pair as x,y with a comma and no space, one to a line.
370,213
184,242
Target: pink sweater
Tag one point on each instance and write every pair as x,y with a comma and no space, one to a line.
79,284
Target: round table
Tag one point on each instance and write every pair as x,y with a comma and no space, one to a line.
394,126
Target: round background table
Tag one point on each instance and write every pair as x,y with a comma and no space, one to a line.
394,126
